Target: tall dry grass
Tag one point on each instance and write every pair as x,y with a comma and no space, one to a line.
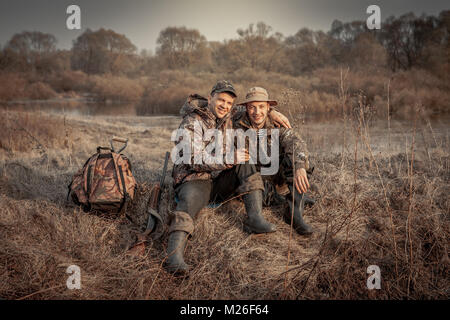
381,208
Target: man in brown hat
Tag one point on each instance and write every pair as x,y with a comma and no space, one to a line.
196,183
293,153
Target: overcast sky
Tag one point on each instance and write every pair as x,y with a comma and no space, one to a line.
141,21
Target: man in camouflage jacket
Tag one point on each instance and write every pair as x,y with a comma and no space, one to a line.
293,157
198,183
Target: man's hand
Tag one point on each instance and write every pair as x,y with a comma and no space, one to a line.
301,180
241,156
279,119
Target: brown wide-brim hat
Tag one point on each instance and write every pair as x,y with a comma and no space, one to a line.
257,94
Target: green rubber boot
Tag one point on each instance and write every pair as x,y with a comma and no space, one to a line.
255,221
175,250
299,205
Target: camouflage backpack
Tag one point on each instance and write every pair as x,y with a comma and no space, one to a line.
105,183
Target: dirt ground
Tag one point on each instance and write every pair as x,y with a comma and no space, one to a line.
381,193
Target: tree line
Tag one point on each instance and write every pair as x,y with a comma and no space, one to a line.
405,42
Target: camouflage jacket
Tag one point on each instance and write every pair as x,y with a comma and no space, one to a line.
196,109
291,145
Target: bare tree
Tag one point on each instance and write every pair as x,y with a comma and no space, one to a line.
179,47
257,47
308,50
31,50
103,51
406,37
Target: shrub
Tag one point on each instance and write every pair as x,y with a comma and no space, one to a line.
12,86
40,91
70,81
116,88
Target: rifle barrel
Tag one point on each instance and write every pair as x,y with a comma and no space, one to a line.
163,177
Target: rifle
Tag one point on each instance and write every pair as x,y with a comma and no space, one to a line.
152,209
155,197
308,200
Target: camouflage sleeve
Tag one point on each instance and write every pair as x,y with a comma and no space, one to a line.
294,147
193,130
273,108
237,113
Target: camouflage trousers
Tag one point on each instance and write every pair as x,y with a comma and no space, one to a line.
277,186
195,195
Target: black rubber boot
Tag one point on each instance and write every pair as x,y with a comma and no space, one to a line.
308,200
299,204
175,249
255,222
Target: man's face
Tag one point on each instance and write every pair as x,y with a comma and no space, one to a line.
257,112
220,104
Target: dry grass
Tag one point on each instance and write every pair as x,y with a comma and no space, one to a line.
41,236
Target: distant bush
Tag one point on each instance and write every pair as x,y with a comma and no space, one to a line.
116,88
40,91
167,92
317,92
419,87
70,81
12,86
164,101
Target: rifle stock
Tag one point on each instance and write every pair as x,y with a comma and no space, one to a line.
155,197
153,205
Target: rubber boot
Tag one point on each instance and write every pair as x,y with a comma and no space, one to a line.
299,224
175,250
308,200
255,222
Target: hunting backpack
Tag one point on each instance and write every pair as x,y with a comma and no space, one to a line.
105,183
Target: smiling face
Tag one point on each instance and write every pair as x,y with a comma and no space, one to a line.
220,104
257,112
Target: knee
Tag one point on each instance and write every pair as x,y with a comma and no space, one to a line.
245,170
181,221
192,198
190,205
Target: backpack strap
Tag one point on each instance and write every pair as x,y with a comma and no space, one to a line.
68,191
89,179
125,193
89,174
104,148
71,182
118,139
120,179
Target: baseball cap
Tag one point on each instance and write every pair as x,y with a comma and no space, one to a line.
223,86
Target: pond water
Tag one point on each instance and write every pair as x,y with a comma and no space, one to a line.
75,107
83,107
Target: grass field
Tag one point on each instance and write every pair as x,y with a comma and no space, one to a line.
382,199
